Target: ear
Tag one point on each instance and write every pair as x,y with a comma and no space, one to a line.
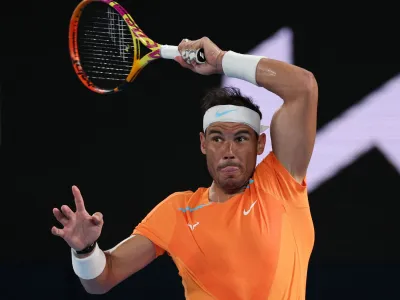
262,139
203,143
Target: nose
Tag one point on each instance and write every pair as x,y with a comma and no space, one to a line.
229,157
229,151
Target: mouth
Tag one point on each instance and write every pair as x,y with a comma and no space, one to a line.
229,170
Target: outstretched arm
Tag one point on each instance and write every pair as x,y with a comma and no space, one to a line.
99,271
127,258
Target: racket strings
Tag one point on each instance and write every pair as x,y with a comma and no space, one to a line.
105,45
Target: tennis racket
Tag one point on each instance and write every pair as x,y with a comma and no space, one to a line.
104,45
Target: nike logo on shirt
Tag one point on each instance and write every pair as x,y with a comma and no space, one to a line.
246,212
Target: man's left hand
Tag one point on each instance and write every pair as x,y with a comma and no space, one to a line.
212,52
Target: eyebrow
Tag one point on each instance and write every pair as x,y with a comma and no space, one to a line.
243,131
213,131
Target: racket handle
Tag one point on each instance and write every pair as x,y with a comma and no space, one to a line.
170,52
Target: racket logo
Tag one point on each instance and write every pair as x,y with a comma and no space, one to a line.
133,26
139,33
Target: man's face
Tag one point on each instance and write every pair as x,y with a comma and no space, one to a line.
231,150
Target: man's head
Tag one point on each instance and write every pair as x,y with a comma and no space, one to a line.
232,144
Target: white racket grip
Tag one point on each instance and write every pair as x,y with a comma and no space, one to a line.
169,52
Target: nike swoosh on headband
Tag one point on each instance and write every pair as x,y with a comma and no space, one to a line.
220,114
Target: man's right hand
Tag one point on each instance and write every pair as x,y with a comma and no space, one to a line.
80,229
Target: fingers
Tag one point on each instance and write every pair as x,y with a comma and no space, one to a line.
183,63
184,44
97,218
192,45
188,50
79,204
67,211
60,216
57,231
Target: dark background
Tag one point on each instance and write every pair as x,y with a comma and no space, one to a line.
55,133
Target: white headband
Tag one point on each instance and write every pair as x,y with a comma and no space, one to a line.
233,113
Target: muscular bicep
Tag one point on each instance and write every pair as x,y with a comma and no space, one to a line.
293,131
129,257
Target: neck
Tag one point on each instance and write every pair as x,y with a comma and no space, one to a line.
217,194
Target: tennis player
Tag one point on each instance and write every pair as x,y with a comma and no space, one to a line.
250,234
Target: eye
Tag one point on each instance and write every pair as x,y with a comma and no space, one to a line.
241,139
216,139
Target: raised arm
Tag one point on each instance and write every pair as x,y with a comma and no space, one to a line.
293,126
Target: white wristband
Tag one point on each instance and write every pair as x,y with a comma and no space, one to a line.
91,266
241,66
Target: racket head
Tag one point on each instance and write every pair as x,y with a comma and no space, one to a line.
104,46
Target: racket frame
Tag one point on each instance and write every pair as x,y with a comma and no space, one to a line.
138,36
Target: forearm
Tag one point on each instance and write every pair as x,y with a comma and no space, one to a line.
95,265
283,79
100,271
